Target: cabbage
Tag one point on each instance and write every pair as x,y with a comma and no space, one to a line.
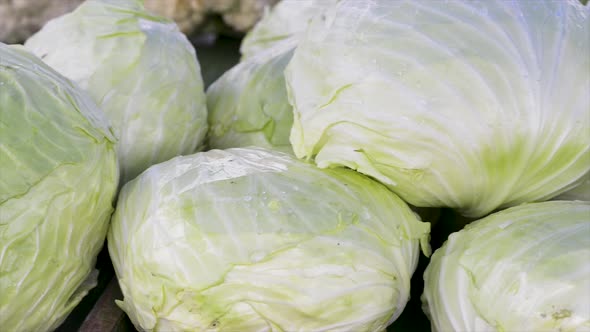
522,269
58,180
254,240
140,69
286,22
580,193
474,105
248,105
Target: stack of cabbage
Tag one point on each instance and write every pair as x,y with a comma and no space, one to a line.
339,115
474,106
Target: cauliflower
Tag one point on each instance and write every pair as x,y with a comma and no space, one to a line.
239,15
21,18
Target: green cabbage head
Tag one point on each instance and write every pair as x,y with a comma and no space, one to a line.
252,240
249,105
140,69
58,178
475,105
287,21
525,268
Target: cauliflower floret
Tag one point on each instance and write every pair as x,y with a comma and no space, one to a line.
245,13
240,15
21,18
186,13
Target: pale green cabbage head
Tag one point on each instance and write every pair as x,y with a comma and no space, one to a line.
139,68
254,240
248,105
287,21
58,177
475,105
525,268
